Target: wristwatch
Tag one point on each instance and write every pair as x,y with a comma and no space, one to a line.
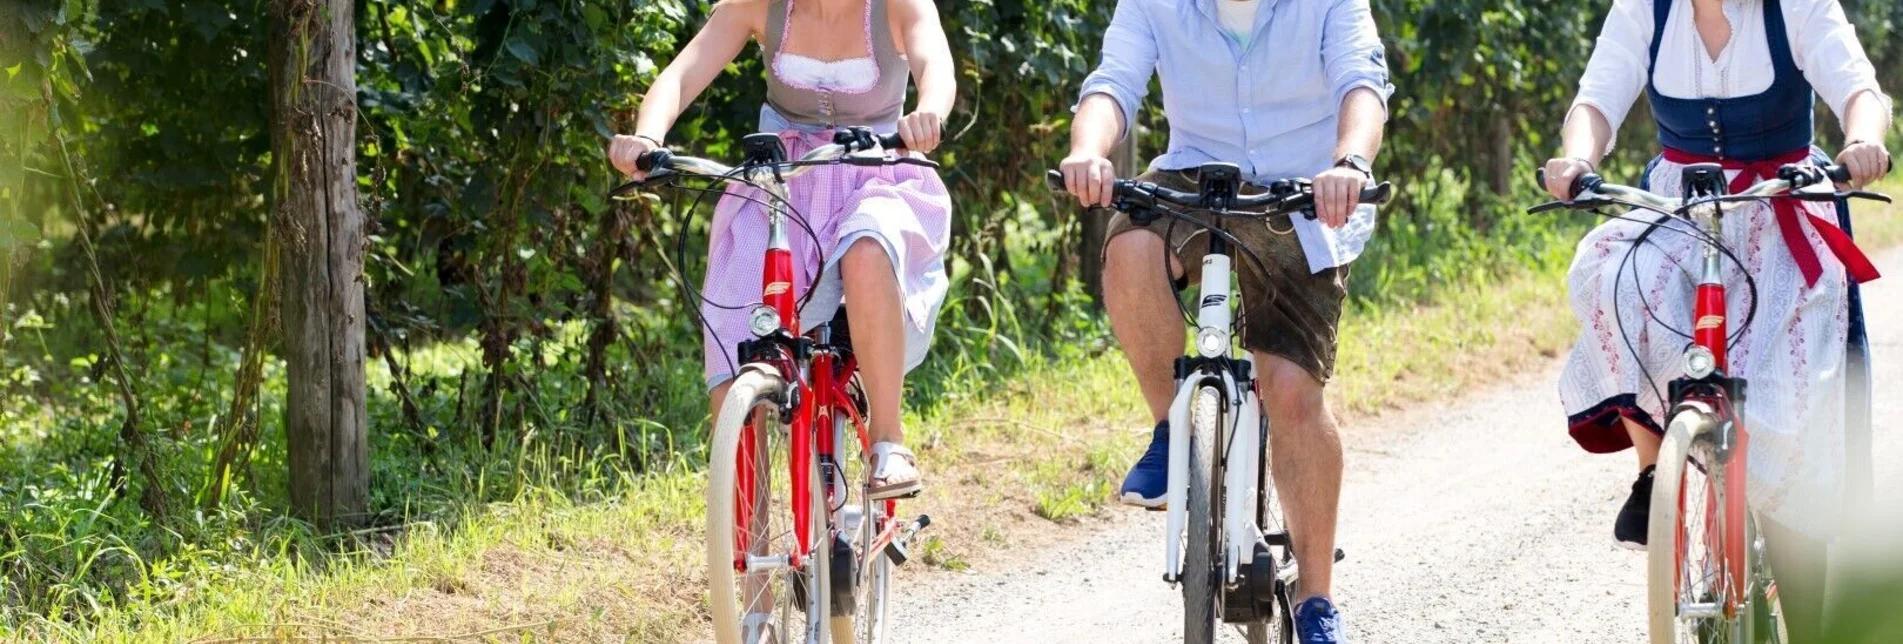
1357,162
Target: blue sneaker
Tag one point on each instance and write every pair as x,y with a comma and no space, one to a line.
1149,479
1317,622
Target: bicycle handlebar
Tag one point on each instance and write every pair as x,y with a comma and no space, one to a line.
1284,197
662,163
1590,190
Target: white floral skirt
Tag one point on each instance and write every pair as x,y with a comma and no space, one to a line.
1636,317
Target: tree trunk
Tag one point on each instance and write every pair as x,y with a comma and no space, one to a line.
1096,225
313,139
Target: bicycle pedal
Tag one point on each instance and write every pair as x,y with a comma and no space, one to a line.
899,551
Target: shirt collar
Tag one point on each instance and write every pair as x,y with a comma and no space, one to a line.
1262,11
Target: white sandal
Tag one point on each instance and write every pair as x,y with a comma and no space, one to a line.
894,472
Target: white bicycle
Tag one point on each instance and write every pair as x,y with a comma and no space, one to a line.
1225,541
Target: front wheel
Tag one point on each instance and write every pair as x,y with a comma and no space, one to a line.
1201,579
758,589
1691,597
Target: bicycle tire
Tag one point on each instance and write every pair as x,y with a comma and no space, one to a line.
735,419
1680,555
1200,579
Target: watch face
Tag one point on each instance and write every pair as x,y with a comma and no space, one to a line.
1357,162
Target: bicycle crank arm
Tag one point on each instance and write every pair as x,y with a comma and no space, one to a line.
899,551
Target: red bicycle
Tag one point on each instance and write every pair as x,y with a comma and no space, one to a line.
795,560
1713,584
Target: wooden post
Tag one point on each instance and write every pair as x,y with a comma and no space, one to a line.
1096,225
313,143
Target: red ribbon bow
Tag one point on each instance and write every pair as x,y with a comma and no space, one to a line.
1856,264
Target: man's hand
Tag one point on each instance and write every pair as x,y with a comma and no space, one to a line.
1867,162
1560,175
1089,177
624,150
1338,193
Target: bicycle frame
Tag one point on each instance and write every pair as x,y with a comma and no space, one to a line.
822,405
1731,441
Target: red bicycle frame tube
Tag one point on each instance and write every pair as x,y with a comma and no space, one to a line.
811,436
1709,329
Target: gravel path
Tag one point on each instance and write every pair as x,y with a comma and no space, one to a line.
1475,521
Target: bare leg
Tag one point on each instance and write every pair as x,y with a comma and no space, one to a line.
1143,314
1644,442
878,333
1307,463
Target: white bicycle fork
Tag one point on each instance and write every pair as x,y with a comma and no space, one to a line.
1242,444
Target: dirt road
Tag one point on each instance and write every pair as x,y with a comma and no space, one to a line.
1474,521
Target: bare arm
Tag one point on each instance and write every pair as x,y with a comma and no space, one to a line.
1096,127
717,44
932,68
1587,135
1866,120
710,51
1356,64
1111,96
1363,121
930,55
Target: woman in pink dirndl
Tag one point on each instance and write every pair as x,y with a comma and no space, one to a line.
879,233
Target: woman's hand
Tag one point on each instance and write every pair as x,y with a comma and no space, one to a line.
1866,160
625,150
920,131
1089,177
1561,173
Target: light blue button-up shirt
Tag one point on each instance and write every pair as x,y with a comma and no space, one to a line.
1270,106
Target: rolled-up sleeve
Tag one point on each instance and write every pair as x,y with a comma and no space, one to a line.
1616,72
1129,60
1827,49
1352,52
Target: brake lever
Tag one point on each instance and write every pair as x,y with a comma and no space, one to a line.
1867,195
1549,207
656,177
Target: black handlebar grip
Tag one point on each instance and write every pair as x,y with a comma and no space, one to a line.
1054,180
1841,174
891,141
1378,195
657,158
1585,182
1580,183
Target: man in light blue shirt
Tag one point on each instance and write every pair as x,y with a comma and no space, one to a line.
1283,89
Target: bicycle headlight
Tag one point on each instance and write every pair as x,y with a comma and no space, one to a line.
1211,342
1699,362
763,321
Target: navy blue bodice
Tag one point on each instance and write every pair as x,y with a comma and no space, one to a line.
1747,128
